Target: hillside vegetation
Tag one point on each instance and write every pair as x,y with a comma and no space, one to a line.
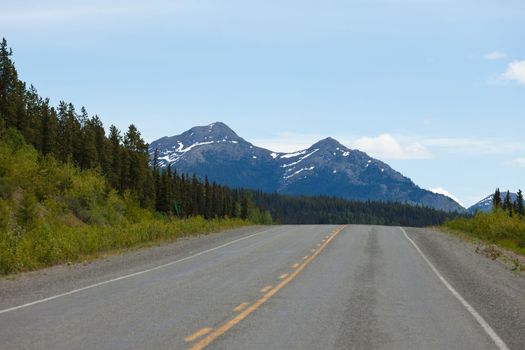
503,226
51,212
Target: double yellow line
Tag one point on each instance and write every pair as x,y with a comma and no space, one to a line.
241,316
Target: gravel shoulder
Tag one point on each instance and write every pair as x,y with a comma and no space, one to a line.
29,286
489,285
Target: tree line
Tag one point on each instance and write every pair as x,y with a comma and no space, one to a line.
330,210
512,208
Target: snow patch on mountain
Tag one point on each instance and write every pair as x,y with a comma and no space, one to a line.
300,159
286,177
295,154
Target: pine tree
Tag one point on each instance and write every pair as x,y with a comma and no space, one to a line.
48,129
114,152
496,200
507,203
8,83
88,148
520,210
65,132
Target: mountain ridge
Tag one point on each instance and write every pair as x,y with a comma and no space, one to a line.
325,168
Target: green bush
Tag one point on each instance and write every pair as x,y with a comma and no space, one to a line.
495,227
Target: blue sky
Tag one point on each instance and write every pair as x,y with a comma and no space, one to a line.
436,88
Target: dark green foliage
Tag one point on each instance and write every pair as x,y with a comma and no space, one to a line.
496,200
520,210
330,210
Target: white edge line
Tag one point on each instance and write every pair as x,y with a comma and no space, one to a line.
486,327
127,276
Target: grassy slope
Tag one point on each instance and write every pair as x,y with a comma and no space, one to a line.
52,213
495,227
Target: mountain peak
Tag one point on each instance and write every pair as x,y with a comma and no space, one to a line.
326,168
213,130
329,143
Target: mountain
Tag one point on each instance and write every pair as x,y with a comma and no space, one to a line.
485,205
325,168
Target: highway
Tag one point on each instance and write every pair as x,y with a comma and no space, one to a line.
276,287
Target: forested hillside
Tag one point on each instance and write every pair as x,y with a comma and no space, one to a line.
330,210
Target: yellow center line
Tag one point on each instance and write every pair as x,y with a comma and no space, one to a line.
240,307
283,276
265,289
294,266
198,334
229,324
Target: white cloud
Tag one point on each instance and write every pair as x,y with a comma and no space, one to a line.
475,146
515,72
441,190
516,162
386,146
495,55
400,147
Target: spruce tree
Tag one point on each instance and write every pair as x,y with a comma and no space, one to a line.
520,210
8,82
507,203
496,200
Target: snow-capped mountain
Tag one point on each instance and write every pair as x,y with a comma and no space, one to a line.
325,168
485,204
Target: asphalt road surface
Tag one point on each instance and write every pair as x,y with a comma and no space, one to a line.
278,287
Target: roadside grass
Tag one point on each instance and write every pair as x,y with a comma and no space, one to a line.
495,228
51,244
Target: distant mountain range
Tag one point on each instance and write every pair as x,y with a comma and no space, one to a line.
485,205
326,168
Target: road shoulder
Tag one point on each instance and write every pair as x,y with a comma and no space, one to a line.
29,286
495,291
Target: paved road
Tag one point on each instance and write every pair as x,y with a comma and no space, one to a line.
281,287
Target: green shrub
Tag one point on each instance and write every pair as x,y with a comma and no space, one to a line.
495,227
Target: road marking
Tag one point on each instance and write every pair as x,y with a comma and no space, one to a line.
486,327
305,257
201,332
294,266
265,289
232,322
129,275
240,307
283,276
